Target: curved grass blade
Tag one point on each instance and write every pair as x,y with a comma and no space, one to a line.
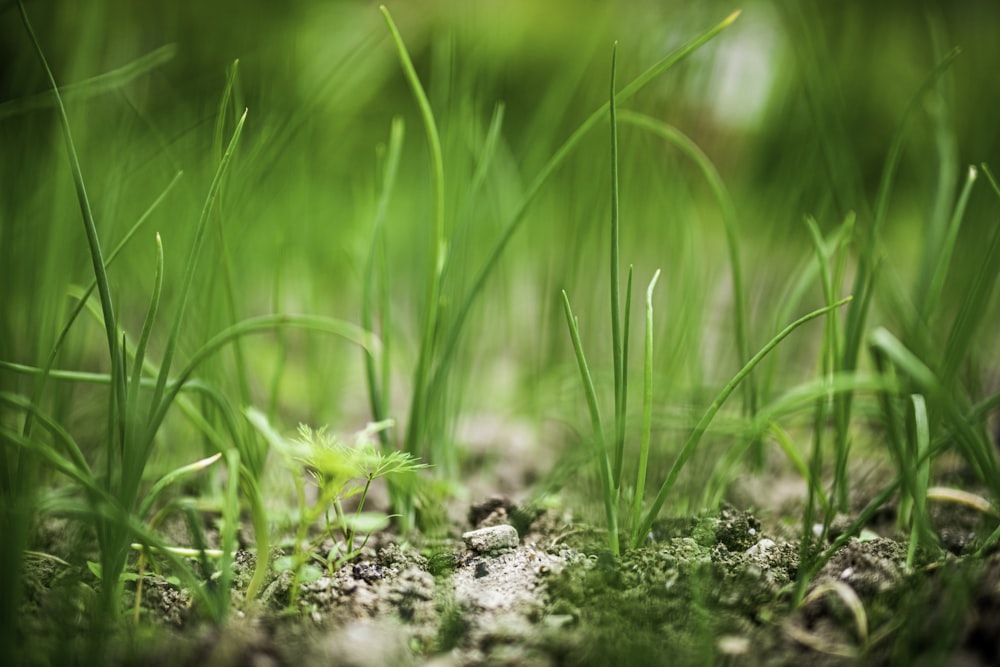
948,246
97,85
687,146
89,224
477,284
189,273
170,478
699,430
975,302
82,301
978,451
421,379
345,330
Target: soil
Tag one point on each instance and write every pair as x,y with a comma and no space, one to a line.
716,589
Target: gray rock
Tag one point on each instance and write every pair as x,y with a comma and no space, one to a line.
495,538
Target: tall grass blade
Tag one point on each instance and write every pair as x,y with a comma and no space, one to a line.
376,269
974,304
477,284
699,430
41,383
864,280
156,404
608,488
974,445
616,312
947,247
132,402
730,223
425,359
89,224
920,531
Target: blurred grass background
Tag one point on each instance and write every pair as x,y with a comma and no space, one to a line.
796,104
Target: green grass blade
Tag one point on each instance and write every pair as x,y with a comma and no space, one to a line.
229,273
230,525
978,451
600,448
615,280
60,434
40,385
170,478
132,402
621,422
421,380
920,531
377,379
864,280
699,430
975,303
264,323
647,411
725,201
545,173
947,248
830,357
489,149
89,224
189,273
115,79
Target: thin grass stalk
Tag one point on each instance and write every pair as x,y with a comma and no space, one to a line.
41,383
975,447
731,225
156,403
626,335
608,488
115,79
828,364
801,281
421,380
894,437
453,333
281,348
264,323
699,430
865,277
89,224
647,412
615,280
230,524
947,248
376,377
975,302
229,273
132,401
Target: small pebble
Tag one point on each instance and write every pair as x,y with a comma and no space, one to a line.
495,538
761,548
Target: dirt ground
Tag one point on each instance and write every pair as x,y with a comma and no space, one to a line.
532,587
